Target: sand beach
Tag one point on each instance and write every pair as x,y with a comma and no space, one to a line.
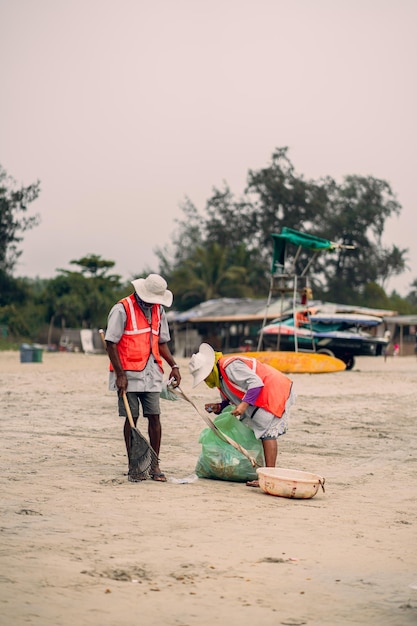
80,545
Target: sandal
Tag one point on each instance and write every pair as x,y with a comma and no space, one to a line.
159,477
252,483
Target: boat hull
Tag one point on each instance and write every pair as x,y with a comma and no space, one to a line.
297,362
342,345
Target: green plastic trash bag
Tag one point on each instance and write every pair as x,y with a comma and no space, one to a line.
222,461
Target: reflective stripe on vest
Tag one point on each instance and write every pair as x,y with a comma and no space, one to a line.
275,392
131,302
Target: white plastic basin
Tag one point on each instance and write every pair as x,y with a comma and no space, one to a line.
289,483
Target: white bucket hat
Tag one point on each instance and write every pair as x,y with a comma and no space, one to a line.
153,290
201,363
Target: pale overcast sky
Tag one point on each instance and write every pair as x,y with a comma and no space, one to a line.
123,107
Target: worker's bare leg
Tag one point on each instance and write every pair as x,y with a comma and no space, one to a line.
270,447
270,452
155,436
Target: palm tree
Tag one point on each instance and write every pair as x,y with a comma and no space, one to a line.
207,274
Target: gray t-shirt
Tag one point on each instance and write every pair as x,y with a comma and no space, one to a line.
150,378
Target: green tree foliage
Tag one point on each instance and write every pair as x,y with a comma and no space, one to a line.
352,213
186,238
83,299
231,223
211,257
94,265
280,197
11,290
24,312
14,203
355,214
15,294
71,299
238,232
206,274
412,295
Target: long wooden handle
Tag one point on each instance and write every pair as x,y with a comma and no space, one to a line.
128,411
216,429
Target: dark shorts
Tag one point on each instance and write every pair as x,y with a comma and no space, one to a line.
148,399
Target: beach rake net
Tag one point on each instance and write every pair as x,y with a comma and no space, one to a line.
142,457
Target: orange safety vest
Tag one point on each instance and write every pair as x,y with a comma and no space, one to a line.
140,339
275,392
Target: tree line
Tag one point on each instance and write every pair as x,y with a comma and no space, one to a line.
225,250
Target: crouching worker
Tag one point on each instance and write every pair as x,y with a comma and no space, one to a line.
262,395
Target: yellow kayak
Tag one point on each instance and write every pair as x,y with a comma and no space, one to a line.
297,362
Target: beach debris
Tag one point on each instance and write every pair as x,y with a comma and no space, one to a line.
273,559
192,478
28,512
